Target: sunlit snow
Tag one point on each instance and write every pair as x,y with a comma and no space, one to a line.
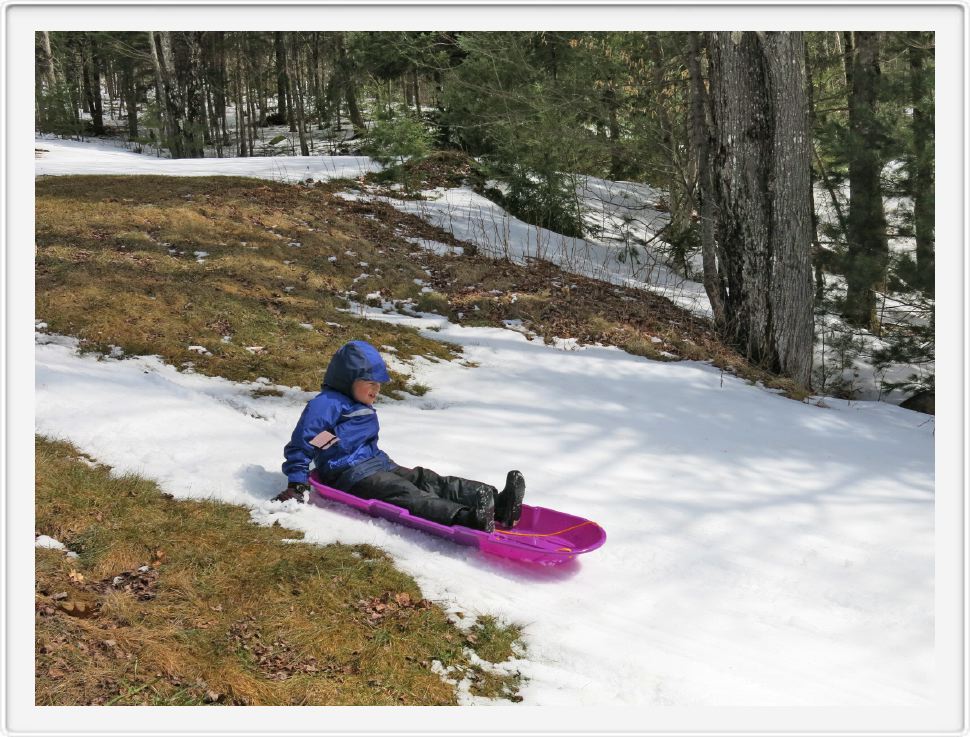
761,551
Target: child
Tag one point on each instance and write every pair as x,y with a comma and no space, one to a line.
338,432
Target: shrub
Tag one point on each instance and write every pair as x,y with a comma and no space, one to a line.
396,141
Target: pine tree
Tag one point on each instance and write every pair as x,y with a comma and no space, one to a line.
868,254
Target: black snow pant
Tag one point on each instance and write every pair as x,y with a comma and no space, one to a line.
447,500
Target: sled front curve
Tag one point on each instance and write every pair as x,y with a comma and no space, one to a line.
542,535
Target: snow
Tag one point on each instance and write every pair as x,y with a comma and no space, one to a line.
73,157
470,217
437,247
761,551
45,541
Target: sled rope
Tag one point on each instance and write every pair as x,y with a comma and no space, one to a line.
545,534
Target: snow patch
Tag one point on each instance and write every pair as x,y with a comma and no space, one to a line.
44,541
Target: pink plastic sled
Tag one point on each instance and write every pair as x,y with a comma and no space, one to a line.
542,535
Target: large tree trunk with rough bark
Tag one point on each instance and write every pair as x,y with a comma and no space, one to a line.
761,183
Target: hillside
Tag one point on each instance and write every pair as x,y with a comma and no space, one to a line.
761,550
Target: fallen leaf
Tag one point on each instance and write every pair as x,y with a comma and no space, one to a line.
403,599
77,608
75,576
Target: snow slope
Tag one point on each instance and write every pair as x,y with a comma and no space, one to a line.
473,218
61,156
761,551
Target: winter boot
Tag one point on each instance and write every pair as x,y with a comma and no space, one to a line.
485,510
508,505
482,515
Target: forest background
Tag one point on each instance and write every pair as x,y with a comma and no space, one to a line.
812,229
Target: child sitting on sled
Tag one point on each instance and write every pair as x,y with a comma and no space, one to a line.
338,432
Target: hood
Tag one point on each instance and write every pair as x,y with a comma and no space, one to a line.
355,360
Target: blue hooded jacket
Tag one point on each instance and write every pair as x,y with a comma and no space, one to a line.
344,431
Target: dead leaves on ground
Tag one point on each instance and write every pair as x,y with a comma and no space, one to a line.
389,605
277,659
83,598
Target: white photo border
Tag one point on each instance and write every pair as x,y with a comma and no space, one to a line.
18,713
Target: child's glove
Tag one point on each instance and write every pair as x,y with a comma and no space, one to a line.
300,492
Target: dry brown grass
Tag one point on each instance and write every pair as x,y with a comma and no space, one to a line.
181,602
116,265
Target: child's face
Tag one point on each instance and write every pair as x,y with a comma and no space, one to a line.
366,392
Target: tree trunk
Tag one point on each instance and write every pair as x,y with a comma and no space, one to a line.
45,83
131,95
97,110
761,166
360,127
868,255
818,260
680,210
252,94
74,82
189,72
49,73
206,73
922,174
348,88
174,106
714,283
220,83
240,108
417,91
282,83
110,87
89,85
319,86
295,96
170,132
211,124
